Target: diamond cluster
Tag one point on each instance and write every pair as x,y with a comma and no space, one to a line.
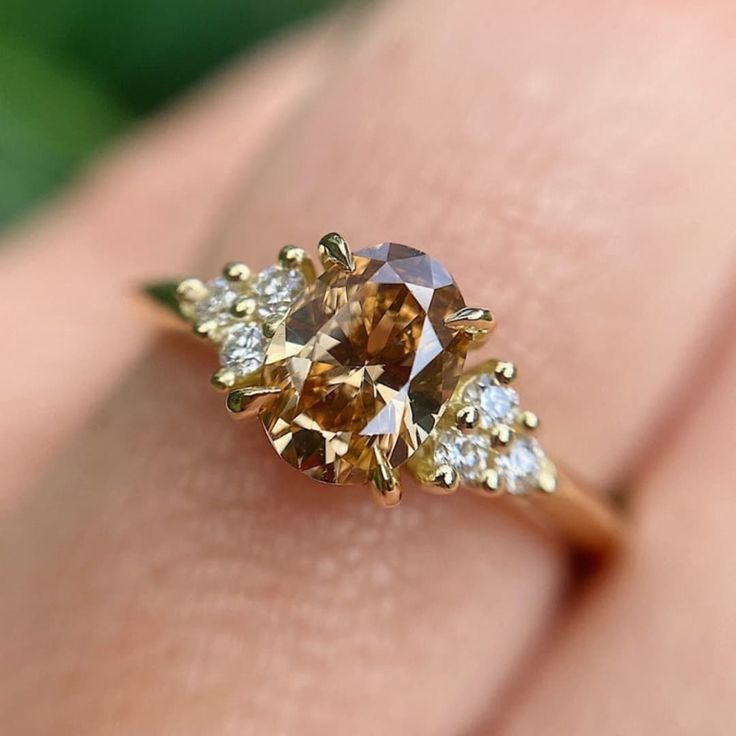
497,450
231,312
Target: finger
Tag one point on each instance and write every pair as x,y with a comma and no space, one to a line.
574,186
477,592
149,207
201,587
652,652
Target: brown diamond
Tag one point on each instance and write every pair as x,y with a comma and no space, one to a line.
363,360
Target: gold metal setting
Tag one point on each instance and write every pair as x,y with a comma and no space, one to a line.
471,319
467,418
223,379
236,272
342,373
191,291
386,485
293,257
504,371
444,478
334,252
244,403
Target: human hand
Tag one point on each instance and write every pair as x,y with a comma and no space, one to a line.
573,165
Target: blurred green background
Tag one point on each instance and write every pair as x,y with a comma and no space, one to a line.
75,73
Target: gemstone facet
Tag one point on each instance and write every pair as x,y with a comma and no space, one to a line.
468,454
216,306
243,349
364,360
496,403
276,289
520,466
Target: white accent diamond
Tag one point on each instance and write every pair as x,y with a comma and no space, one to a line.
217,305
243,348
276,290
468,454
496,403
520,465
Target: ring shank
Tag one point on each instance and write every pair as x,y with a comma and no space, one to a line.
590,524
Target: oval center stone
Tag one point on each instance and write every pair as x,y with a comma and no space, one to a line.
363,360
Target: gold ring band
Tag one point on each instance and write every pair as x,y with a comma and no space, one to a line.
359,372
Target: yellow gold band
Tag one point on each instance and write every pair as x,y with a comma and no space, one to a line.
358,372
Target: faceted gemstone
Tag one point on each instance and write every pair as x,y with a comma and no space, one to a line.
276,290
496,403
520,465
364,361
468,454
243,348
216,306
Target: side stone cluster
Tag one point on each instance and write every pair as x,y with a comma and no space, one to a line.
485,440
238,311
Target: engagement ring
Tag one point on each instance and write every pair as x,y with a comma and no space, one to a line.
359,373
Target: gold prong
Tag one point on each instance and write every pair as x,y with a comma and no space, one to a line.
271,324
236,272
467,418
334,251
386,486
501,435
505,372
528,420
293,257
492,483
446,478
191,291
472,320
223,379
205,329
248,401
244,307
547,477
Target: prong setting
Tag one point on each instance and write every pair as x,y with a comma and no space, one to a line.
293,257
246,402
205,329
191,291
467,418
446,478
244,308
501,435
236,272
334,252
271,324
471,320
505,372
386,485
528,420
547,477
223,379
492,483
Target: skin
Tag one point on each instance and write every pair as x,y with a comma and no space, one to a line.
167,574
